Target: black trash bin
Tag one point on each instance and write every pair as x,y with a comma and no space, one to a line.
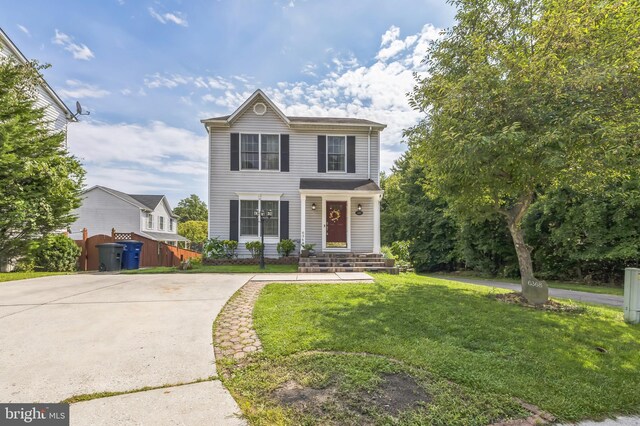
131,254
110,255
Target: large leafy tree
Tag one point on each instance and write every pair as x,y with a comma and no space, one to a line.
196,231
523,96
191,208
40,182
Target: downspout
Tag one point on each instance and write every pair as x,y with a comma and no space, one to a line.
369,155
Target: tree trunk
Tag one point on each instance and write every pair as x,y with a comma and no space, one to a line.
536,292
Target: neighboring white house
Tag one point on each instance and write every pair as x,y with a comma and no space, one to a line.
104,209
318,176
55,111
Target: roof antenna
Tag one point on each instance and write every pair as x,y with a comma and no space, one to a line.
79,110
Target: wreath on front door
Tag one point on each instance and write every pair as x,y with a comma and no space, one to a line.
334,215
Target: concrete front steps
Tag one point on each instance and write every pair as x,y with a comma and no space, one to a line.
345,262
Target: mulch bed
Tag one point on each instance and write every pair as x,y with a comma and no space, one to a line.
550,305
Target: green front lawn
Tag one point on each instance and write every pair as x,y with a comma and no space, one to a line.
221,269
13,276
471,353
600,289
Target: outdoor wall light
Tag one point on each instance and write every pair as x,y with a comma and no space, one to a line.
359,211
313,206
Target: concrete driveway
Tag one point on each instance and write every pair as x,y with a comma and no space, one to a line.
68,335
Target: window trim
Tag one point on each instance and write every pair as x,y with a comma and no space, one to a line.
160,223
260,169
326,153
268,239
150,217
170,224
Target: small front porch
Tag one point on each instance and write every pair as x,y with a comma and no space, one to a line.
346,263
340,216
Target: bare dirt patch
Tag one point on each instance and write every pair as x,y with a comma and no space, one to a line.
397,393
550,305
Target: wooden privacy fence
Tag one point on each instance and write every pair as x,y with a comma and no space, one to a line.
153,253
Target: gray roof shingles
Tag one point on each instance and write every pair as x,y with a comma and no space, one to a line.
340,184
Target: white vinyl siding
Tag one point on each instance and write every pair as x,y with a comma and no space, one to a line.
303,154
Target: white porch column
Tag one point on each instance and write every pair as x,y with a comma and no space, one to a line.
376,223
303,218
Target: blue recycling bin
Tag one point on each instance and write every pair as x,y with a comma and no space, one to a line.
131,254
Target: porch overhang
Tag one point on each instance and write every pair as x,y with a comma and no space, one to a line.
353,187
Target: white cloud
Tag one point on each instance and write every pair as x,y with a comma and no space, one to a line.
164,18
79,51
137,158
24,30
78,90
376,92
171,81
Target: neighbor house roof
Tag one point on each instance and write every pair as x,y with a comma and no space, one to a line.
339,184
227,120
145,202
151,201
23,59
161,236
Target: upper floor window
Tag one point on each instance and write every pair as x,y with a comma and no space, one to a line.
336,153
259,152
161,223
149,221
170,224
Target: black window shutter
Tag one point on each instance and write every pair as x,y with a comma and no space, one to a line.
235,151
351,154
284,153
233,220
322,154
284,220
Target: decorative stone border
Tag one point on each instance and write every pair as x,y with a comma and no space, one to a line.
234,336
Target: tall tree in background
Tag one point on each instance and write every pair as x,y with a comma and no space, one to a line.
40,182
523,96
196,231
191,208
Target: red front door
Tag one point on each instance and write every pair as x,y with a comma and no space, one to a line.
336,224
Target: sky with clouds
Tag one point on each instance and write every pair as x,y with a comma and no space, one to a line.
150,70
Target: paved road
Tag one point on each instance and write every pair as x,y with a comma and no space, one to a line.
68,335
581,296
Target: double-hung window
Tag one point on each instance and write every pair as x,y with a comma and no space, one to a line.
161,223
149,221
250,223
170,224
336,153
259,152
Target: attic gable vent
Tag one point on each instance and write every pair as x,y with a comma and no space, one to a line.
259,108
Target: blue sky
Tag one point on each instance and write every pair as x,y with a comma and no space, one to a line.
150,70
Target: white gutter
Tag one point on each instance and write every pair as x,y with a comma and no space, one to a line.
369,154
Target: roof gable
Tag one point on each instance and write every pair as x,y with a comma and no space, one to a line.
141,201
149,201
246,104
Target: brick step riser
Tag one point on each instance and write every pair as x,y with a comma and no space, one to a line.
342,260
345,255
336,269
343,265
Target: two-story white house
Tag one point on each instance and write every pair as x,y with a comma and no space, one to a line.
104,209
317,176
